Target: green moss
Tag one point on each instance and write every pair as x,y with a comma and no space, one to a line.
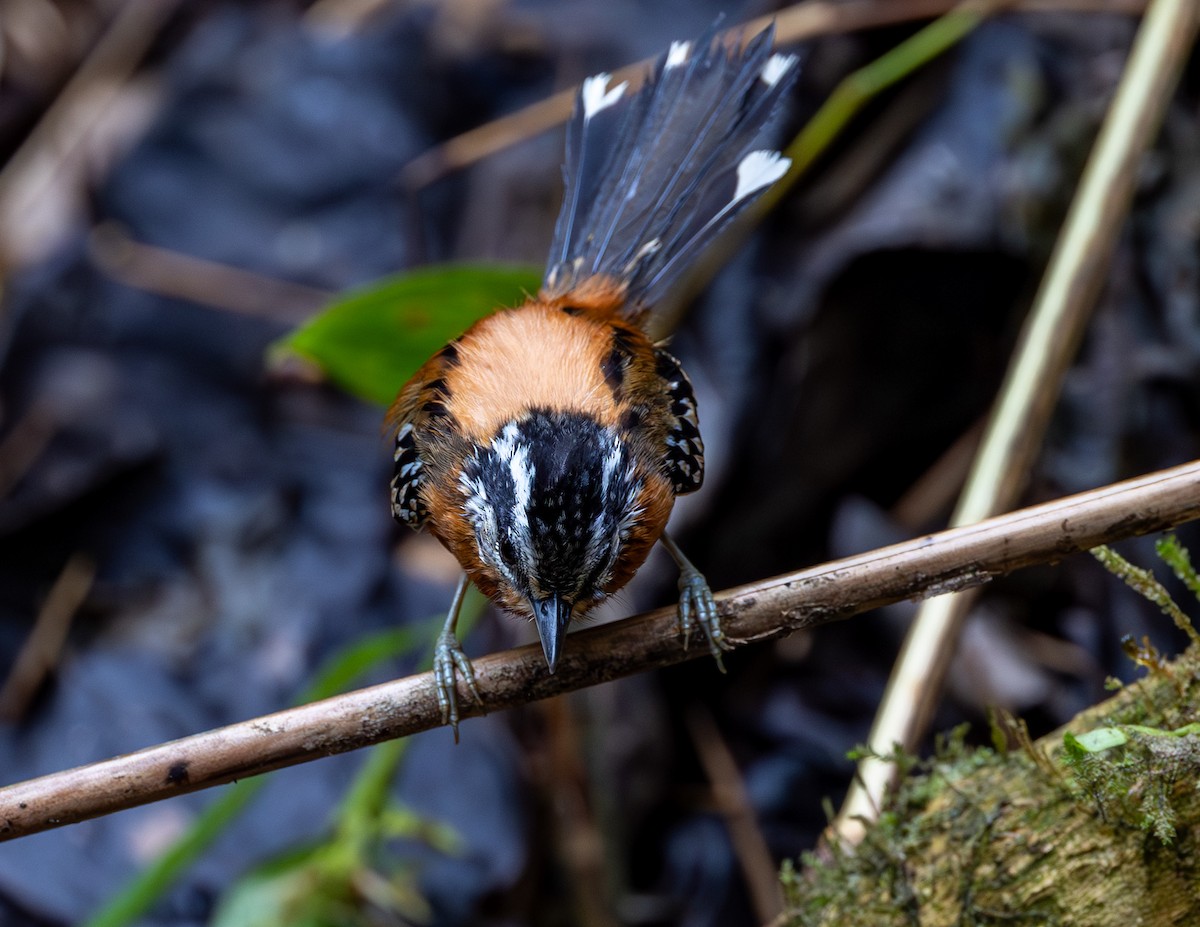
1035,832
1134,773
938,810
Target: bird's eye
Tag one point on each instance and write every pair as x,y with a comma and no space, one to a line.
508,551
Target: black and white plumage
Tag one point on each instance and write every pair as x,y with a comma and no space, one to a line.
684,459
545,447
654,176
407,506
552,498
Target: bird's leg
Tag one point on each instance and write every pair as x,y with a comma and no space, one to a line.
696,603
449,659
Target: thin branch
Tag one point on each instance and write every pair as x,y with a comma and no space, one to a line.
763,611
932,494
578,841
733,802
1074,279
27,440
176,275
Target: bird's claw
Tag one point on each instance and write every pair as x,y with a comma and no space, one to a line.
449,662
697,606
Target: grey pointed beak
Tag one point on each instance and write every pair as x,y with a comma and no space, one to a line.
552,615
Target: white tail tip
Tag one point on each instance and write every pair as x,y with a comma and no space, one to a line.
757,170
776,67
596,96
677,55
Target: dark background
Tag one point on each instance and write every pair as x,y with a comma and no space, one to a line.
238,520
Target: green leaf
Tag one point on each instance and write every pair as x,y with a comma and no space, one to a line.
372,340
1099,740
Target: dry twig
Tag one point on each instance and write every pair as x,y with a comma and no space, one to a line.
40,652
38,166
767,610
733,802
579,843
176,275
26,441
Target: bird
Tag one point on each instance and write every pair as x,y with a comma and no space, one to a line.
545,446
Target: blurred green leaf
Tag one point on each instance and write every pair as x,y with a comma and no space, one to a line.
336,675
371,341
320,869
280,892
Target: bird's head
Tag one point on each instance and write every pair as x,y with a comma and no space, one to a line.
552,499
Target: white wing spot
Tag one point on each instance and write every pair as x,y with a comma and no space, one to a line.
757,170
596,96
776,67
403,433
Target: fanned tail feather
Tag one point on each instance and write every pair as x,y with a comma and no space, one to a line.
653,177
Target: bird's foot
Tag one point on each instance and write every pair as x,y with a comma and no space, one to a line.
449,662
697,606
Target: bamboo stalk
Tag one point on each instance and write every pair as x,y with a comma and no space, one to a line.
1076,274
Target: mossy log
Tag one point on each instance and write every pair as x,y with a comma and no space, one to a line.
1035,833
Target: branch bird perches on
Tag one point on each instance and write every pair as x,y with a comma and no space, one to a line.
929,565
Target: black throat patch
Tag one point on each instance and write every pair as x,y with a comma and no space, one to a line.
552,496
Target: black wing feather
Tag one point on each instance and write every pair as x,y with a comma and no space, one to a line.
683,462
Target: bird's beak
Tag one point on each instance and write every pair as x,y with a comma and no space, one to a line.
552,615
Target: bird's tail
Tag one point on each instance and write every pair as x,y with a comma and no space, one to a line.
653,176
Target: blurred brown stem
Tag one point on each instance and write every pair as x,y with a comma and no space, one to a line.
39,165
25,443
183,276
733,802
40,653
